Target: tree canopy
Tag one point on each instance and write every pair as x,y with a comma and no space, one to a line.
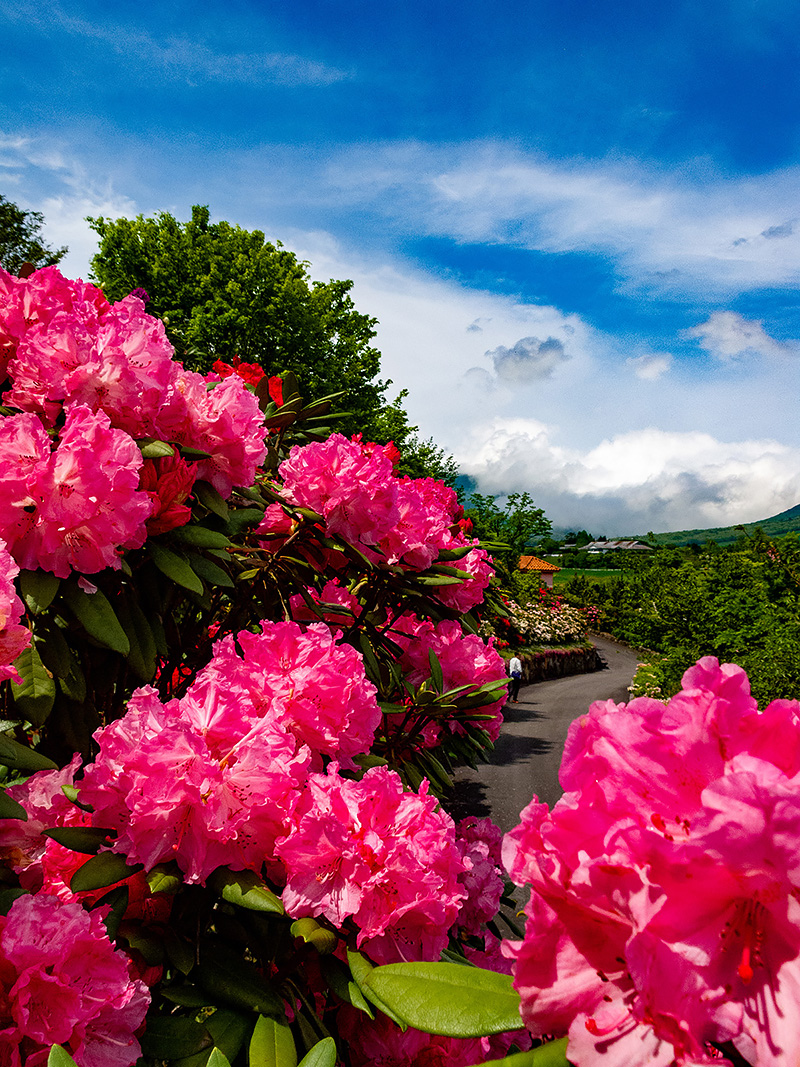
21,241
514,525
223,291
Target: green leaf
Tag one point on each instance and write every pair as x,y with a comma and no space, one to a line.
165,878
436,670
323,1054
229,1030
272,1044
37,589
200,537
152,448
88,839
10,808
59,1057
36,695
218,1059
187,996
211,499
22,758
241,518
101,870
210,572
117,900
323,939
94,612
447,999
233,980
361,969
339,979
174,567
245,889
170,1037
7,898
553,1054
194,453
143,655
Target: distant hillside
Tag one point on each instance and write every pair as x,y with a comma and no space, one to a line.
776,526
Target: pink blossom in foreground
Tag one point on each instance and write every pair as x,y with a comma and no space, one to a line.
300,677
14,637
385,857
62,982
175,789
427,510
479,841
664,912
464,597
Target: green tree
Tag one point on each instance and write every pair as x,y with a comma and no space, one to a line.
21,241
223,291
513,526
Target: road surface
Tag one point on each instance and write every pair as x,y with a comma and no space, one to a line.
527,755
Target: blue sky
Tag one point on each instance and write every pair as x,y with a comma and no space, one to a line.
578,223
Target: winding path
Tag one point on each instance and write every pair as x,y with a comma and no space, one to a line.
527,755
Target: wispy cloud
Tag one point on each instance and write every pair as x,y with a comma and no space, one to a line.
183,57
650,367
730,336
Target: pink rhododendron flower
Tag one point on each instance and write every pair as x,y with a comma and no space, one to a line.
464,658
300,677
664,911
479,841
77,507
384,856
427,511
62,982
176,790
13,636
349,483
464,597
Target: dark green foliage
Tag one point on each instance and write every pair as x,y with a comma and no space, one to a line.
21,241
223,291
741,605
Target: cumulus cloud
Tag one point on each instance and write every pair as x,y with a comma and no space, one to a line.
650,367
637,481
730,336
529,360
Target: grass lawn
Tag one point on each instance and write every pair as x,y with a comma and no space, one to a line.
594,574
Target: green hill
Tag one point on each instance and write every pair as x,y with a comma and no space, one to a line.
776,526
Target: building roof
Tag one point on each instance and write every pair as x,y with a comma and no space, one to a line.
533,563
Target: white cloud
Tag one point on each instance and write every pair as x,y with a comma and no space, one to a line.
730,336
650,367
667,231
638,481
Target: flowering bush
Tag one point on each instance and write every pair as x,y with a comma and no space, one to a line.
663,918
241,678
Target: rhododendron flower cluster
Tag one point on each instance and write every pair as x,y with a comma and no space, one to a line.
14,638
664,913
77,502
480,843
405,521
62,982
212,779
385,857
464,658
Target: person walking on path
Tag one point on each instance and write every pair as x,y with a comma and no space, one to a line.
515,672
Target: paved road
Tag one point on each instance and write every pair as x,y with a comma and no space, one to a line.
527,755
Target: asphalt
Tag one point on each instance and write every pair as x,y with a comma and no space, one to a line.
527,754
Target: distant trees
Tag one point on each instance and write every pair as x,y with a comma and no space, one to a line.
21,241
513,525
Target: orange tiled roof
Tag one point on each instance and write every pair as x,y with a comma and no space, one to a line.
533,563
